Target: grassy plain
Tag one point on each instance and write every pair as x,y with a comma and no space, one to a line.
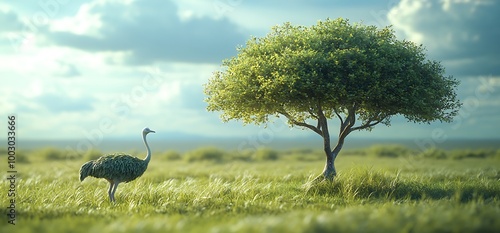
267,191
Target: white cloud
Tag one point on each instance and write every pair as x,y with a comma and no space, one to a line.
167,92
90,62
461,33
34,89
67,70
468,5
84,22
417,19
214,9
146,32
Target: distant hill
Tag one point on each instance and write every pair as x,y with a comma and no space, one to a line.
184,142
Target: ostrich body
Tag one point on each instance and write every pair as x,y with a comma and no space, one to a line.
117,168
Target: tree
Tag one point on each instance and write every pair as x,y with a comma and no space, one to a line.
333,69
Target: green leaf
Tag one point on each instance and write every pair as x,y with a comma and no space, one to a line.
336,64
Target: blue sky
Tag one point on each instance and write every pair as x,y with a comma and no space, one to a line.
73,68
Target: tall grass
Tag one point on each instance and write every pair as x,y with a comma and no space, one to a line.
370,194
366,184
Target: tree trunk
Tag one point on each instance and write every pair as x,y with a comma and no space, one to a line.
329,171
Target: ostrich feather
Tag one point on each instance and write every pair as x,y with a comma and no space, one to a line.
117,168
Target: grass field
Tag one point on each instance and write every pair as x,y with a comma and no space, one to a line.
267,191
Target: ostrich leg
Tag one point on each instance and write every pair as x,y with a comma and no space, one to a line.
113,191
111,184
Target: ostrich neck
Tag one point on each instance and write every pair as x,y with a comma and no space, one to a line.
148,155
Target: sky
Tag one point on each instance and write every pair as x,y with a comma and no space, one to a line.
108,68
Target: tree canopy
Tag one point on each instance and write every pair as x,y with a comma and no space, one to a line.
335,65
332,69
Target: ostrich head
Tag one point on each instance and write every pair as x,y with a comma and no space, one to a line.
147,130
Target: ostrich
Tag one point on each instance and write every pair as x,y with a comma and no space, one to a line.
117,168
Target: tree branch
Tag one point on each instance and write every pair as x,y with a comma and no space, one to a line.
340,117
312,114
323,122
350,120
368,124
343,125
303,124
